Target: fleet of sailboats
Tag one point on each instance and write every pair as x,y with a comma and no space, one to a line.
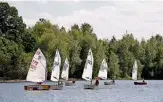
38,72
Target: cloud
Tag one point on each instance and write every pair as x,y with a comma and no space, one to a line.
143,19
31,22
75,1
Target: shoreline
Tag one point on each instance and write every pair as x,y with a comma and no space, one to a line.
12,81
19,81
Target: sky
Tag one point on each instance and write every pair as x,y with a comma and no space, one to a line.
108,18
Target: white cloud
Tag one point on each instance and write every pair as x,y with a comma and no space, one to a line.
31,22
69,1
140,18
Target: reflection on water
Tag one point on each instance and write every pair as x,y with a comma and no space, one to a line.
123,91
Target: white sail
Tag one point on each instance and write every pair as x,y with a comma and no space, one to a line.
103,70
37,70
134,71
65,70
56,67
87,73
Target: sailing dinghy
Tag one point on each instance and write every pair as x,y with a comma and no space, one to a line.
65,73
103,72
87,72
37,73
55,75
134,74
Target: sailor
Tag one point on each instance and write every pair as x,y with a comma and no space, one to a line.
39,83
113,81
60,83
97,81
143,80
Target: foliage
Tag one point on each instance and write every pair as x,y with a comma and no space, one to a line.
18,45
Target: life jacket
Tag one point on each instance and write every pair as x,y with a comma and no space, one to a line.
113,81
39,83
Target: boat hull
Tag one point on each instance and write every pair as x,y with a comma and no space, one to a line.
109,83
140,83
42,87
91,87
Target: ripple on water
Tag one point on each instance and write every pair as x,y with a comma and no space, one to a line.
123,91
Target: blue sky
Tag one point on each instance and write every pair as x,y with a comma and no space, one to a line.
142,18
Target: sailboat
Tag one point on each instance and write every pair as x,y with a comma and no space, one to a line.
65,73
55,75
103,72
134,74
37,73
87,72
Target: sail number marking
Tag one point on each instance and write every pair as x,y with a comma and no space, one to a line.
65,67
103,68
90,62
38,52
56,63
34,65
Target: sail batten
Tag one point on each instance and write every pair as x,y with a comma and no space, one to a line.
37,70
87,72
134,71
56,67
65,70
103,70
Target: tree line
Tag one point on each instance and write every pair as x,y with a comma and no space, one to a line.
19,43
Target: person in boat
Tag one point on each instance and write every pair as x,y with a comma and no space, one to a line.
39,83
143,80
113,81
73,81
97,81
60,83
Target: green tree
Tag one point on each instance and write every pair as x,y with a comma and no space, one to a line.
11,25
113,66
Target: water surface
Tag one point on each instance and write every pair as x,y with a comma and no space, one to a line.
123,91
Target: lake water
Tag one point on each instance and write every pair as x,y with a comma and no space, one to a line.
123,91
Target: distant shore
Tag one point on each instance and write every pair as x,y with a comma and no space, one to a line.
18,81
70,79
12,81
